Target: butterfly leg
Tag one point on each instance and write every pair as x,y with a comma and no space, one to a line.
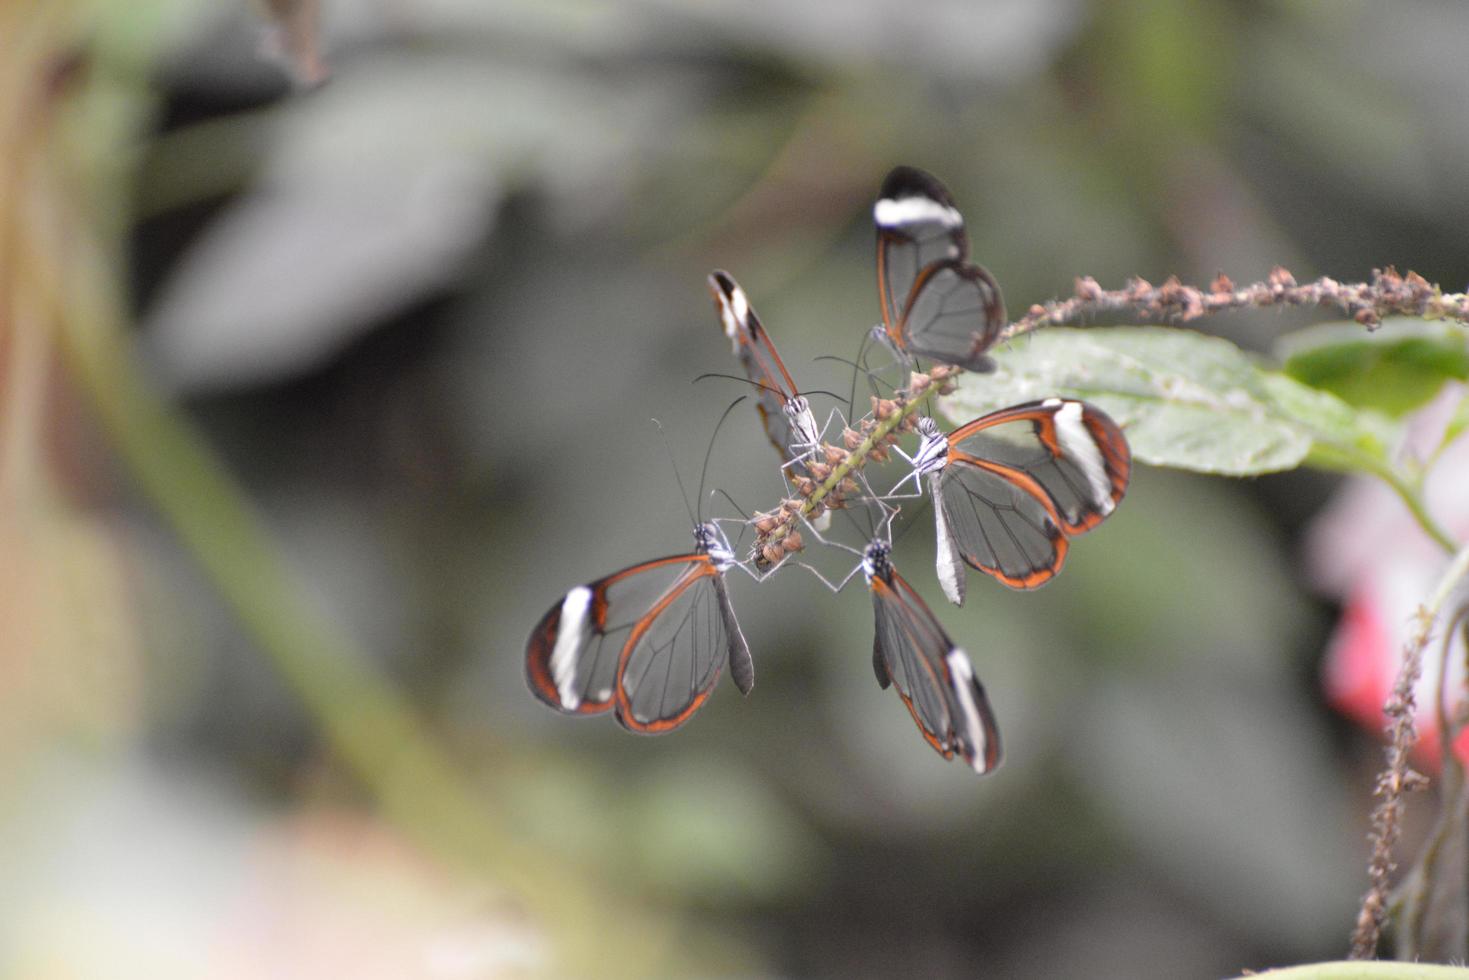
833,586
893,494
831,544
762,576
744,524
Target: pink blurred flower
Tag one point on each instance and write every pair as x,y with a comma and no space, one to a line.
1366,550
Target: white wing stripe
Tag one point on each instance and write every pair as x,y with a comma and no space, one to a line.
890,213
571,635
949,572
741,306
963,675
1078,445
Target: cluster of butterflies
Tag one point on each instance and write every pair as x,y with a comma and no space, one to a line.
1009,489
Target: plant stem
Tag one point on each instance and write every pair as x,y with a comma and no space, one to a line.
1396,779
1332,455
1413,499
1388,294
1428,904
856,459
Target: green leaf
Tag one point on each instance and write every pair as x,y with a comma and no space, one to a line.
1394,369
1186,400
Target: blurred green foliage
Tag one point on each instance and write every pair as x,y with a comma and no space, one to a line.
1395,369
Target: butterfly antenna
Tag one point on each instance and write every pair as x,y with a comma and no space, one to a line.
858,364
676,475
887,522
725,494
902,367
745,524
913,521
709,453
890,511
856,368
856,526
867,511
734,377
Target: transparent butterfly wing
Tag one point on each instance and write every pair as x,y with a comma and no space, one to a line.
762,365
898,644
674,653
954,315
999,520
935,303
932,676
573,653
917,226
1072,450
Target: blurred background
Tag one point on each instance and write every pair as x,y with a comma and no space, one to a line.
411,322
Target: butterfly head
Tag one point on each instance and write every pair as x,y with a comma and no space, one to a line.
710,540
875,561
933,451
804,432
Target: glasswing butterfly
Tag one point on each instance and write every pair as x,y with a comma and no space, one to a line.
912,653
648,642
785,413
935,302
1010,488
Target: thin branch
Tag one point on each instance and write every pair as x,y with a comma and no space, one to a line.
1412,498
1397,778
1426,929
830,482
1388,294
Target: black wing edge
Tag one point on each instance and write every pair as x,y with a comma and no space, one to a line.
905,181
980,740
741,664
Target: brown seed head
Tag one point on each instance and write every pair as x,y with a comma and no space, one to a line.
1280,278
1088,289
